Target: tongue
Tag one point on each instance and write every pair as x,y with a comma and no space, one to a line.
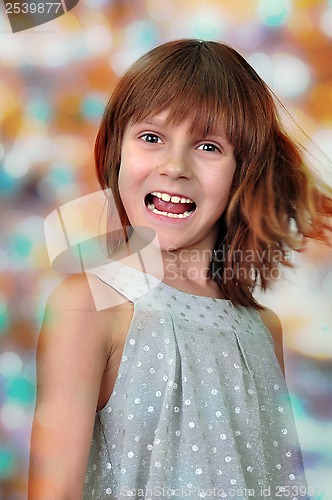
174,208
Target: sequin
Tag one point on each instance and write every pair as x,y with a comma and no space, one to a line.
187,409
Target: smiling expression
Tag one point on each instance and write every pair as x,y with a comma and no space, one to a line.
175,181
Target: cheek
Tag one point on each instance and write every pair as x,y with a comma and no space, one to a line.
130,183
220,185
125,185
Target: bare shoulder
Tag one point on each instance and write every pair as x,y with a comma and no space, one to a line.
73,350
72,292
273,324
271,321
87,293
72,326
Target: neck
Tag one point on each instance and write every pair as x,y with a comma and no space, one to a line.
190,264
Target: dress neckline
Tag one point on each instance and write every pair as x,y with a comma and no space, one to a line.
175,290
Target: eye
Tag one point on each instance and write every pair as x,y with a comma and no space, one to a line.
151,138
211,148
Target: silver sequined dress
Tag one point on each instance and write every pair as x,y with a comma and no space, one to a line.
200,408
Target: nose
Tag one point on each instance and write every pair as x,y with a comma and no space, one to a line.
175,169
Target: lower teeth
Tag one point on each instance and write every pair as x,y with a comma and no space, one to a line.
169,214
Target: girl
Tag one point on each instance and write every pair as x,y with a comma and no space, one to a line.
187,376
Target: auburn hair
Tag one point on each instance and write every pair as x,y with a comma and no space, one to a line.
276,201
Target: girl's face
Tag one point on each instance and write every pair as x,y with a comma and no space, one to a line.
175,182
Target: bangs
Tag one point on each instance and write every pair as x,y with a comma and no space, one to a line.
207,83
189,84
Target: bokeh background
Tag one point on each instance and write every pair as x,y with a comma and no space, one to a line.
55,81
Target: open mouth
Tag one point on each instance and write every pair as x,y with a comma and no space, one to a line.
173,206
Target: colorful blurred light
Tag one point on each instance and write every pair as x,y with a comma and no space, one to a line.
262,64
204,23
55,53
142,33
160,11
34,147
98,38
12,415
7,183
16,164
248,36
326,22
4,316
19,389
274,13
4,259
7,462
122,59
327,285
39,108
208,24
10,364
290,76
93,106
323,164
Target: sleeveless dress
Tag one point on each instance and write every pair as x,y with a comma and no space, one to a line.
200,407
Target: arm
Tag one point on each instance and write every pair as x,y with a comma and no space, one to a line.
72,353
272,323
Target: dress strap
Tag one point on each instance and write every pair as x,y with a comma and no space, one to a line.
129,282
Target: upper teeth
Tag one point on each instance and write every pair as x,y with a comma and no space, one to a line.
173,199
